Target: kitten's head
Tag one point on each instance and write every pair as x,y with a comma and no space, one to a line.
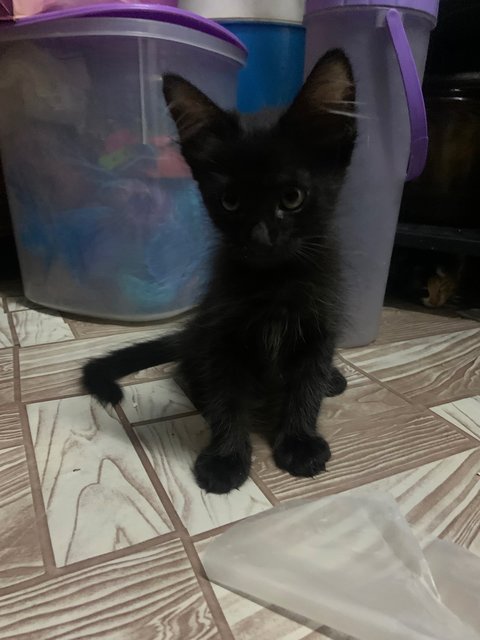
270,184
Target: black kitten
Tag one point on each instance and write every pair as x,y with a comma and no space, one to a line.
261,344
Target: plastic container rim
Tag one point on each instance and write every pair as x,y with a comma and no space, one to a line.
124,27
258,21
428,7
136,10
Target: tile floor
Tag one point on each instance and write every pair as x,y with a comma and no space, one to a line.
102,526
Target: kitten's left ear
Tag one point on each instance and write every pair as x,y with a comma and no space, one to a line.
324,110
200,122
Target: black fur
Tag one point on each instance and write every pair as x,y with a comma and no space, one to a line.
260,346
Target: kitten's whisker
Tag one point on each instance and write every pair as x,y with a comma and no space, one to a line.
315,245
308,259
355,102
314,249
348,114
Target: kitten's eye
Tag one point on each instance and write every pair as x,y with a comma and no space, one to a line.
230,201
292,198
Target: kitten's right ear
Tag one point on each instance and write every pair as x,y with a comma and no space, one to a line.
323,113
200,122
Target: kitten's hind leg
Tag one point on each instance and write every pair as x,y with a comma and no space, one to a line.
337,383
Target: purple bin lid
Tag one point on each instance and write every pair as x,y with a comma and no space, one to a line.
425,6
158,12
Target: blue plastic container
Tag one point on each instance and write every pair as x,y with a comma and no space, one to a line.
274,70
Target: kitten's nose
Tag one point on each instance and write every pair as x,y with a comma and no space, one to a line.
261,234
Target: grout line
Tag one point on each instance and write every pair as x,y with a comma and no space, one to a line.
4,304
262,486
24,584
33,399
17,384
89,562
469,436
29,400
72,328
175,416
203,582
211,533
93,561
13,331
207,590
152,475
97,340
37,495
421,407
440,332
385,385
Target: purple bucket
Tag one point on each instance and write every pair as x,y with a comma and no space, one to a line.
387,45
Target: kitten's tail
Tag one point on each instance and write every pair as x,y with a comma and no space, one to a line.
100,375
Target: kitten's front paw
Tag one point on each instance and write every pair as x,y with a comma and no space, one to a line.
337,383
221,474
304,456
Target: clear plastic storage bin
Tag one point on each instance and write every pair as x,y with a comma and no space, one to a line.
107,218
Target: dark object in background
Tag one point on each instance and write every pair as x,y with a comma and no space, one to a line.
440,211
448,191
434,279
454,43
9,266
424,277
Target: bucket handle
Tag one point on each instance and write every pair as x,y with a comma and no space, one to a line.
413,94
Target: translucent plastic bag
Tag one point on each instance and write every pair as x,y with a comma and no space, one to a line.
350,562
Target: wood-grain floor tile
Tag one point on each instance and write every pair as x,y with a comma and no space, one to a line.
465,414
6,377
440,499
54,370
20,303
465,528
5,333
149,595
95,327
10,426
428,370
40,327
152,400
20,554
373,433
407,324
97,495
172,447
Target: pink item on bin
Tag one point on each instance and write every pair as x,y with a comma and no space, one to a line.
17,9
